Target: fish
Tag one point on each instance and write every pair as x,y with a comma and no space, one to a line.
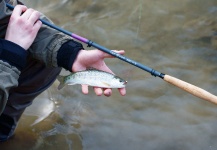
92,77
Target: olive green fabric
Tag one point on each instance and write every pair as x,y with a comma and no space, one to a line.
47,42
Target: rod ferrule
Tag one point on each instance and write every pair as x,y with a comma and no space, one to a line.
157,74
89,43
162,75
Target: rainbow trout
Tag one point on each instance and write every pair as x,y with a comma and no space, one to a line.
92,77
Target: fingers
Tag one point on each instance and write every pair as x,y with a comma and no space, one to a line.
37,26
108,92
84,89
99,57
122,91
29,15
18,10
32,17
121,52
26,15
102,56
98,91
103,67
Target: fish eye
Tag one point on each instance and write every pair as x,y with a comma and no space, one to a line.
121,80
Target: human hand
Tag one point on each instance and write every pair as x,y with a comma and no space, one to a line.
95,59
23,26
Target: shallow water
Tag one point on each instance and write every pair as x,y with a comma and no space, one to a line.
176,37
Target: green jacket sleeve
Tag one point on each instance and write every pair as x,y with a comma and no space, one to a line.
12,60
47,44
8,79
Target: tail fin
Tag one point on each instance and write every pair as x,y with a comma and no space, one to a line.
61,80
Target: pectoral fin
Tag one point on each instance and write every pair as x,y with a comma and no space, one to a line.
106,84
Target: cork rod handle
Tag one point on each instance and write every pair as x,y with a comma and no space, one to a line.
192,89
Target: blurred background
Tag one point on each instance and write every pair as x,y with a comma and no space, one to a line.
176,37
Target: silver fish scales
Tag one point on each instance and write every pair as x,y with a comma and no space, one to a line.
92,77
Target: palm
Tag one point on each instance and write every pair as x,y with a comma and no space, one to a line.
94,59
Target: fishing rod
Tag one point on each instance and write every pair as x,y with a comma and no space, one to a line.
192,89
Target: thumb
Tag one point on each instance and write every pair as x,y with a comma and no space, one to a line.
120,52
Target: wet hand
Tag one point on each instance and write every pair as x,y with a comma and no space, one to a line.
95,59
23,26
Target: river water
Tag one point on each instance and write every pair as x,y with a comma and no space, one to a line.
176,37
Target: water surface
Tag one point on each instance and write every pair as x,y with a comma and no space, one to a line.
176,37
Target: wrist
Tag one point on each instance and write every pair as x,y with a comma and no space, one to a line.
13,54
17,43
79,61
68,53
